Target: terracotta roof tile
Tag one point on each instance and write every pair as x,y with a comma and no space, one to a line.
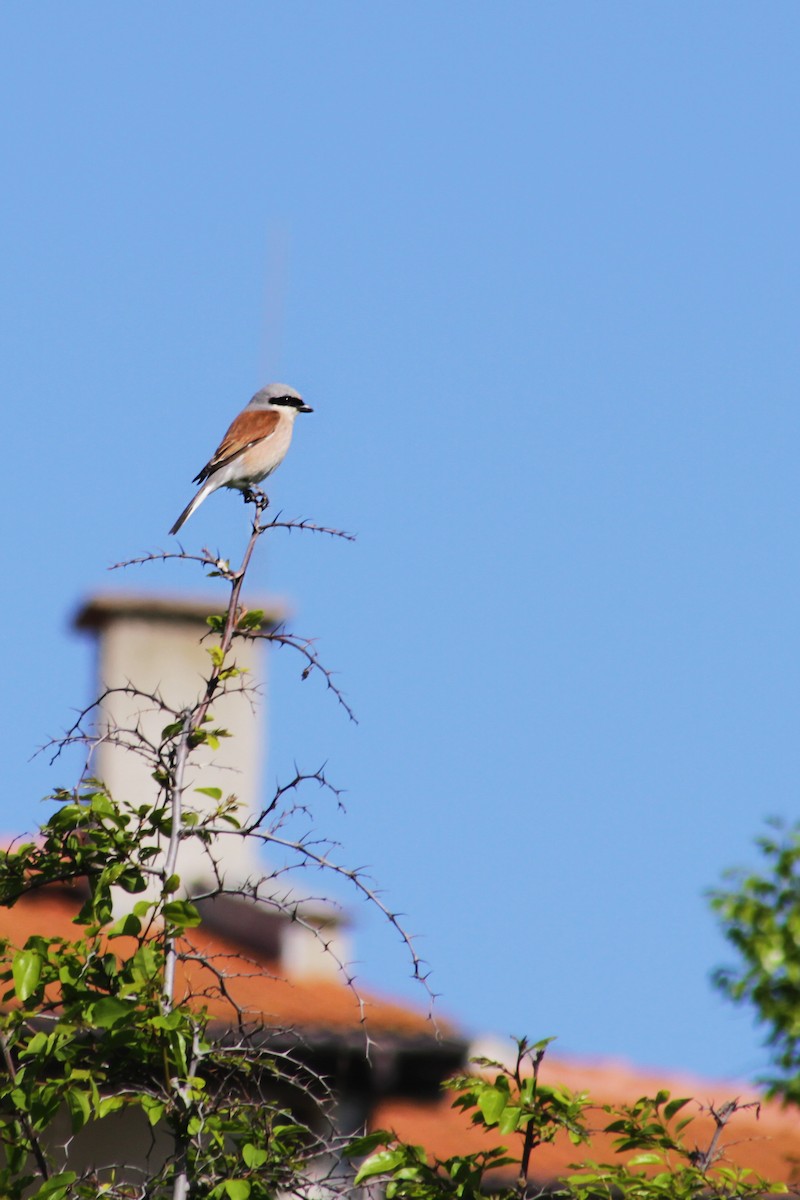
257,987
768,1143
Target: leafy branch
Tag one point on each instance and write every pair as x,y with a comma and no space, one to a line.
108,1020
654,1160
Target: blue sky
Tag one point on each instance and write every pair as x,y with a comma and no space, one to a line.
536,268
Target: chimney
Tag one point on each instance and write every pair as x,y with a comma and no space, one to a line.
154,642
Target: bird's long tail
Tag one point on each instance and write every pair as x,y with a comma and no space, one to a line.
194,503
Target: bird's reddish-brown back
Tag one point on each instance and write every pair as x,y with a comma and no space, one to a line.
252,425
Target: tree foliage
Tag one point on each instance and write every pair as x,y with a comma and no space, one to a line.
99,1025
760,915
655,1156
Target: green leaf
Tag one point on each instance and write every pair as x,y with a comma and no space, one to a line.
145,963
153,1109
214,792
103,806
80,1109
644,1160
237,1189
230,673
230,820
380,1164
181,912
674,1107
55,1187
127,926
171,730
178,1047
39,1044
491,1102
109,1011
170,1021
109,1104
27,971
365,1145
131,880
508,1120
253,1156
251,620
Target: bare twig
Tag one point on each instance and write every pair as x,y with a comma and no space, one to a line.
305,647
705,1159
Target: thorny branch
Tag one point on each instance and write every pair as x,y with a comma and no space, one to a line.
207,559
529,1141
242,1063
705,1159
221,568
305,647
167,823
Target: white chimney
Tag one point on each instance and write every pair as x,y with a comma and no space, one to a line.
155,643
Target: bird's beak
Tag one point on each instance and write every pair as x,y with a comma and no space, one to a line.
305,408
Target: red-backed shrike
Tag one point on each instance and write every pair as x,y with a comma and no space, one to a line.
253,447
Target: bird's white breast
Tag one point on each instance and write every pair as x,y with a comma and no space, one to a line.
261,459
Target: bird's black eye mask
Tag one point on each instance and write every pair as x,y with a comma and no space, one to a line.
289,401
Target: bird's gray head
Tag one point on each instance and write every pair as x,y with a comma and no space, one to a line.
279,395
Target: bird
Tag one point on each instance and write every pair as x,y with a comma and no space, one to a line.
255,444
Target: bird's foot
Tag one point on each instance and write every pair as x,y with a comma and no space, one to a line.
253,495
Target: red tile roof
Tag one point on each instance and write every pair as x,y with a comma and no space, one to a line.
257,988
768,1142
